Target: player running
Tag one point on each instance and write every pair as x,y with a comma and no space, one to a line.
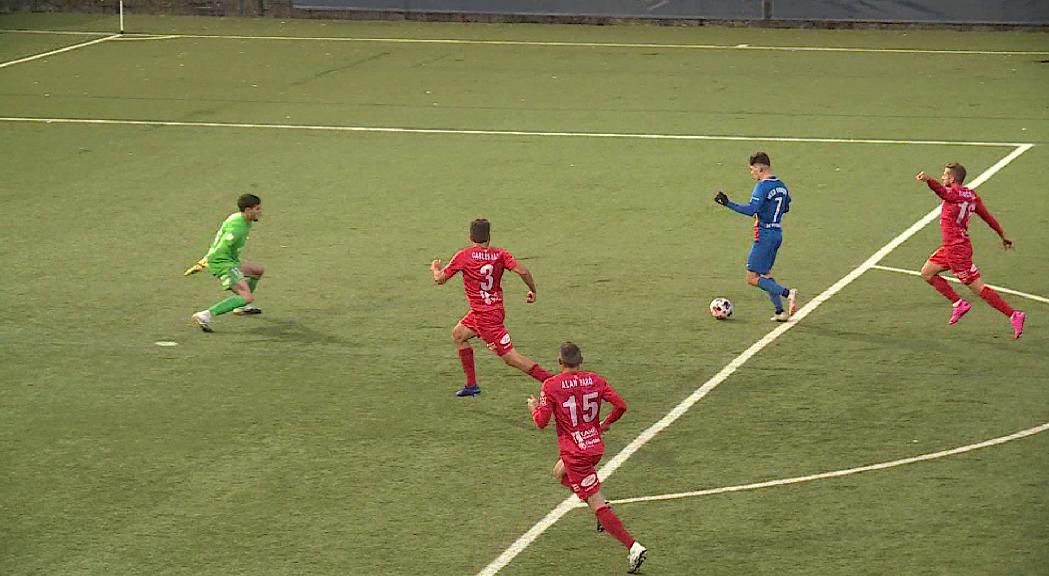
956,253
769,201
573,398
482,267
223,261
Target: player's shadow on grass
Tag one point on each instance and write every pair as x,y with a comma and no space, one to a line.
293,331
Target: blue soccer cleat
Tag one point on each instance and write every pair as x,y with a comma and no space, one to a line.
468,391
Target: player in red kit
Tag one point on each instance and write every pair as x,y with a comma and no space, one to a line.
482,267
573,399
956,254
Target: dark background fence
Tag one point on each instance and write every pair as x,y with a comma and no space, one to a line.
917,11
1025,13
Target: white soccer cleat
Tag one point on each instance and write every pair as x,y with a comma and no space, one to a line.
203,319
247,310
781,317
636,557
792,302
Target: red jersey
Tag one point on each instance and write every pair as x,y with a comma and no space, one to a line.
574,400
959,203
482,269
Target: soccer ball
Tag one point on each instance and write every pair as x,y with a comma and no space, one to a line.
720,308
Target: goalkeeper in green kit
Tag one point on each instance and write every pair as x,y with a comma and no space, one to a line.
223,261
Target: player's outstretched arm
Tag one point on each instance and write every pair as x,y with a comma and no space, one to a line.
528,280
985,214
196,267
748,209
948,194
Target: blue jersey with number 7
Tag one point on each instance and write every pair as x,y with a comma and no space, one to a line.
769,201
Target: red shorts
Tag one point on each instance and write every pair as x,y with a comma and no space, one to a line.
489,327
959,258
582,474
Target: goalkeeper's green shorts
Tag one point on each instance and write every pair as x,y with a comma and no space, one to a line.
228,275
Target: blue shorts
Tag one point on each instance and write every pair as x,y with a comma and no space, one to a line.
763,253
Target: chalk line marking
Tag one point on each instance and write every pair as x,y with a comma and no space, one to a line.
455,131
950,279
59,51
135,37
52,32
612,465
541,43
837,473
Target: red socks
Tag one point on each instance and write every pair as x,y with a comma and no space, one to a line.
466,356
991,297
611,523
944,288
538,373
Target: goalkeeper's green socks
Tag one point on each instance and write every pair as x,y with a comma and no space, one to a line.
227,305
252,283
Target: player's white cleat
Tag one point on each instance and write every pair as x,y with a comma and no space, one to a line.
792,301
247,310
203,319
780,316
636,557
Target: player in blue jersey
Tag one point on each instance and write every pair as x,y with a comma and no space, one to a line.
768,203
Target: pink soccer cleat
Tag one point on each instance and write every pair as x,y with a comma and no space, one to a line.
1017,320
960,308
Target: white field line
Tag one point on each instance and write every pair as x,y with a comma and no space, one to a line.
949,279
132,38
837,473
592,44
453,131
67,32
59,51
612,465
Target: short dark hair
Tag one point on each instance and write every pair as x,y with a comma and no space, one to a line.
571,355
480,231
957,170
760,158
247,201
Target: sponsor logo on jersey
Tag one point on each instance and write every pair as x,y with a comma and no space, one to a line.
486,256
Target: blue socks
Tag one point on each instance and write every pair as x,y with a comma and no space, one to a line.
775,292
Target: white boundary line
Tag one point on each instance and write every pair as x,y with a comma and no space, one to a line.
998,288
612,465
69,32
59,51
582,44
394,129
836,473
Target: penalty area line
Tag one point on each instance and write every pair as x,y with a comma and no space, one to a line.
949,279
651,432
837,473
59,51
466,132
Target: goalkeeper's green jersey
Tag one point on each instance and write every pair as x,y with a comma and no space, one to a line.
225,248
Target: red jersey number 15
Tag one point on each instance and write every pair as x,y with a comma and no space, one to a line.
590,408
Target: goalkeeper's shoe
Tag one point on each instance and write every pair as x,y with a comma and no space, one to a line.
196,267
203,319
247,310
